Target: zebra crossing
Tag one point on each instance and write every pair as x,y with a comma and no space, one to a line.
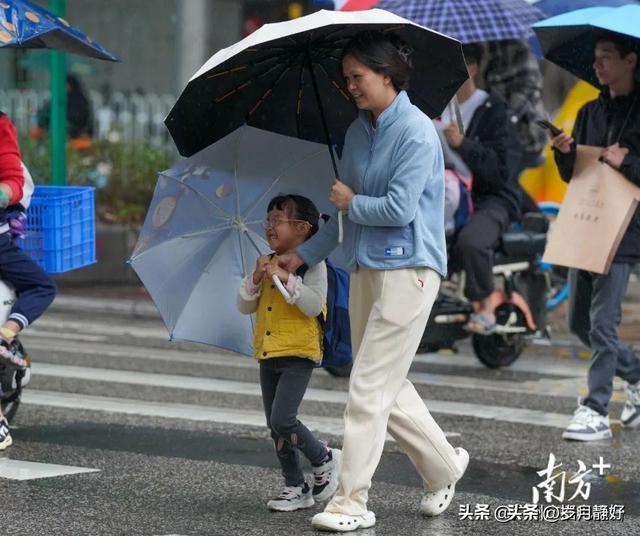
108,364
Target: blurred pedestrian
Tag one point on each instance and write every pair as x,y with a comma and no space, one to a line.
34,289
79,115
490,149
612,121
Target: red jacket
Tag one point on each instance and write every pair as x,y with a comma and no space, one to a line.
10,161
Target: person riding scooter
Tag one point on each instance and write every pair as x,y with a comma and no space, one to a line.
33,287
490,149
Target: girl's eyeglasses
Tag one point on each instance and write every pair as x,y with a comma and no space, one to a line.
278,221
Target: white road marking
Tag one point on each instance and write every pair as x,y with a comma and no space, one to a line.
480,411
20,470
325,425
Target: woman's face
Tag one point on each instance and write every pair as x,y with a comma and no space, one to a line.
369,89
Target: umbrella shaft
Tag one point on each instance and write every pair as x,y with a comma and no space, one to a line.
322,115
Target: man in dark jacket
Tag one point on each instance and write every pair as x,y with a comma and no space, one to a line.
612,122
491,151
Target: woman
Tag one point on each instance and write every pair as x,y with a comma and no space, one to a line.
393,195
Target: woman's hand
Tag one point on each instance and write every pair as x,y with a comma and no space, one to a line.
261,265
274,269
341,195
290,262
562,142
454,136
614,155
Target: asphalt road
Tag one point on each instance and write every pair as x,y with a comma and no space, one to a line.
127,434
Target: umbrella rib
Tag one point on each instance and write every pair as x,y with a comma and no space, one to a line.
268,92
251,80
331,79
199,194
277,179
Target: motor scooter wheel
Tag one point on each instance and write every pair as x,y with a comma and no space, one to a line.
501,350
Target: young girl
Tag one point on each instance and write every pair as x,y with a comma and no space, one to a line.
288,343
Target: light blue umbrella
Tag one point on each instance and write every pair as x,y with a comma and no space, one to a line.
203,231
568,40
556,7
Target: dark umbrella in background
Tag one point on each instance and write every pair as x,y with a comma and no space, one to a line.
469,21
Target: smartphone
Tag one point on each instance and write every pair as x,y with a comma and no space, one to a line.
555,131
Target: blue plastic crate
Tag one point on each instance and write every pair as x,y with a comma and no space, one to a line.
61,228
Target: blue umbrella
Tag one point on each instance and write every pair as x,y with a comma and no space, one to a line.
203,231
469,21
569,40
25,25
556,7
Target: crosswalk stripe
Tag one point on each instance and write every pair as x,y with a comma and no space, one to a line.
563,388
22,470
324,425
482,411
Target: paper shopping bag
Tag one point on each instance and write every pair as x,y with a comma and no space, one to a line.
594,215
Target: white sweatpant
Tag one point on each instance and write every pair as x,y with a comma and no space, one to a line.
388,311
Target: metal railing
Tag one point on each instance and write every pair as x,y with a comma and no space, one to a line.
122,117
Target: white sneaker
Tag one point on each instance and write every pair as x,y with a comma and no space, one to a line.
435,502
292,498
335,522
587,425
325,477
630,417
5,436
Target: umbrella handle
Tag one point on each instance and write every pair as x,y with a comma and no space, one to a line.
340,227
280,287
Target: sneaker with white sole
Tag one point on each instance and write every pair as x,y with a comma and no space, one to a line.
587,425
325,476
335,522
5,436
436,502
292,498
630,417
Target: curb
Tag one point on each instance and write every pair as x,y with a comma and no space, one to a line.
128,308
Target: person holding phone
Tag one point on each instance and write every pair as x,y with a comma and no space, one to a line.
612,121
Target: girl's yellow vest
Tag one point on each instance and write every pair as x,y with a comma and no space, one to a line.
283,330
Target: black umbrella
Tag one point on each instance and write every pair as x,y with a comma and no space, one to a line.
287,78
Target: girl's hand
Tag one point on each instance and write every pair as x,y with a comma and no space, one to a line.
341,195
562,142
274,269
261,265
290,262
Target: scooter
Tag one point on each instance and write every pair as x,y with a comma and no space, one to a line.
12,379
520,300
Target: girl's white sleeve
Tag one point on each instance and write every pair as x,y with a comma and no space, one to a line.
309,294
248,295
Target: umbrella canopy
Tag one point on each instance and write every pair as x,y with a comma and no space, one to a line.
470,21
287,77
203,231
25,25
556,7
568,40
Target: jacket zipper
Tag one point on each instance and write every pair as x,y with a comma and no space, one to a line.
372,144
